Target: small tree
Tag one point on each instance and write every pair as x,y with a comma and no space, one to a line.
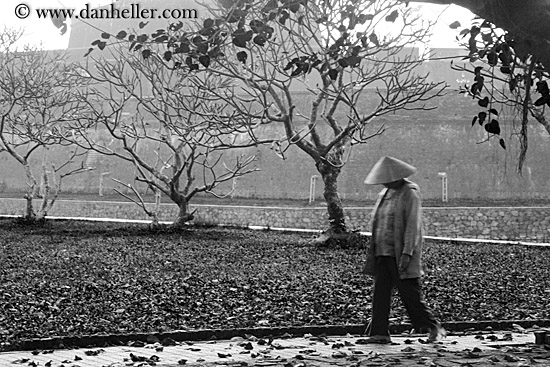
352,68
37,100
161,121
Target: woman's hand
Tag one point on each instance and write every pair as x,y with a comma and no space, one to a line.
404,263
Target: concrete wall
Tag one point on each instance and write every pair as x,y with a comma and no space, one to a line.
496,223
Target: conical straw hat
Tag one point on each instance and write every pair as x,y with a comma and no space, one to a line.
389,169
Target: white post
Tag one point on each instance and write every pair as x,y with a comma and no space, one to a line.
233,187
312,184
443,176
101,178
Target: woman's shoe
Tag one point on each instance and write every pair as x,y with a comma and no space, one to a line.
437,333
375,339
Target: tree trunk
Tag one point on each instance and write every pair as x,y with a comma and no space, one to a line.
335,209
183,215
31,193
29,212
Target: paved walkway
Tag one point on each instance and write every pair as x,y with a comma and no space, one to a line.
474,350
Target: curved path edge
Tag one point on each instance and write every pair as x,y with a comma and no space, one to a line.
103,340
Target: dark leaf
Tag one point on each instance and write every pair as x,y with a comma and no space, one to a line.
121,35
374,39
101,45
502,143
541,101
105,35
241,38
227,3
493,111
167,55
505,70
146,53
256,25
298,71
161,39
142,25
242,56
321,20
284,16
493,127
291,64
89,51
479,81
362,18
392,17
482,116
208,23
512,84
183,48
343,62
474,120
259,40
198,40
485,24
174,27
294,6
454,25
542,88
464,32
492,58
202,48
142,38
204,60
333,74
487,38
505,58
483,102
472,43
354,61
158,32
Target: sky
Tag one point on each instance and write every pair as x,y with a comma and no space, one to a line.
42,33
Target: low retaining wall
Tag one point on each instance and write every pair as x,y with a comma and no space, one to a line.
495,223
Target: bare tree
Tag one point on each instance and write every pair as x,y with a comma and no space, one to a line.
351,66
37,101
161,121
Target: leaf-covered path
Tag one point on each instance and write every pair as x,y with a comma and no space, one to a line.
475,349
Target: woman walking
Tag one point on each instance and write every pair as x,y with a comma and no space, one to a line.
395,251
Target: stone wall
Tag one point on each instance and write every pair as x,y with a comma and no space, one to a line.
495,223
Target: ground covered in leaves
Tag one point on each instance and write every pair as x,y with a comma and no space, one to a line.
68,278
